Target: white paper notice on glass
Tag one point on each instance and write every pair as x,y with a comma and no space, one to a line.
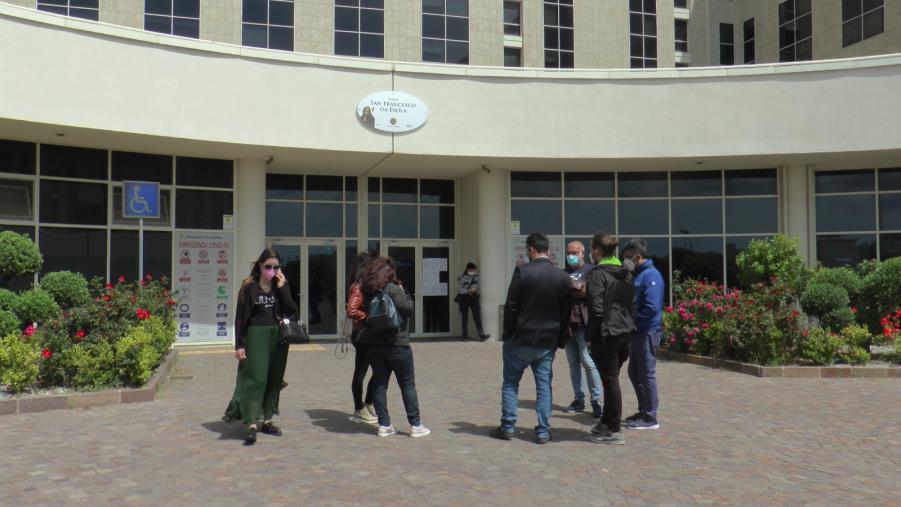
433,283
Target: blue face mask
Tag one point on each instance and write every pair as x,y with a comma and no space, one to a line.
572,260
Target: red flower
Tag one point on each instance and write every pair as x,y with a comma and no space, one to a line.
142,314
887,331
884,321
106,297
29,331
148,277
80,333
46,353
97,298
853,309
121,278
170,302
109,286
669,309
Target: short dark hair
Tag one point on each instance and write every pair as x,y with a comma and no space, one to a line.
639,246
538,241
471,265
604,242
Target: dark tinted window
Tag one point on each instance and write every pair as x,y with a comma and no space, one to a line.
201,209
399,221
375,189
284,219
324,188
436,191
846,213
751,216
890,212
639,218
696,183
325,220
845,249
890,245
436,222
751,182
537,216
588,184
350,220
71,249
70,162
589,217
642,184
399,190
535,184
17,157
16,199
697,216
67,202
699,258
890,179
845,181
284,186
374,217
203,172
141,167
350,188
124,254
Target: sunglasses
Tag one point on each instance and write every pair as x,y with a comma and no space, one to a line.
272,266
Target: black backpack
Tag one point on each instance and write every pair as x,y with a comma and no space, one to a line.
382,314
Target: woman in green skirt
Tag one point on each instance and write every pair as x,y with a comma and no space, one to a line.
263,300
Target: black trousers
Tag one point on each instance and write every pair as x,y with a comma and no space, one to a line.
609,355
361,366
468,302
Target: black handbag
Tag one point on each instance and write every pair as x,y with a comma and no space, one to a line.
291,330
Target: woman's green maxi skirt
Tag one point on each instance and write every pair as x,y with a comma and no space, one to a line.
261,377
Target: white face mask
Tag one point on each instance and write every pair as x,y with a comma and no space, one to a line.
471,273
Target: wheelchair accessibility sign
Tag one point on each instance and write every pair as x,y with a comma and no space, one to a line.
141,199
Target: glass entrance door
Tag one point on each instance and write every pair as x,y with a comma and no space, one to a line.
423,268
311,267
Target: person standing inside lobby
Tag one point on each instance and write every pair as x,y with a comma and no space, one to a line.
577,354
469,297
536,316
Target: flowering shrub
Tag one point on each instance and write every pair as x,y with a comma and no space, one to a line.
891,326
880,292
765,259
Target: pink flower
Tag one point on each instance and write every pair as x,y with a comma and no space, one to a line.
121,278
705,326
142,314
669,309
29,331
710,306
80,333
853,309
672,339
46,353
106,297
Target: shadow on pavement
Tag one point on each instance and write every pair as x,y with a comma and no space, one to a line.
524,434
227,430
530,405
336,421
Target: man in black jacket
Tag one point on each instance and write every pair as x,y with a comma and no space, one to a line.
536,315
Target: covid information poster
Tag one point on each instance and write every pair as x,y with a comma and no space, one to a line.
203,279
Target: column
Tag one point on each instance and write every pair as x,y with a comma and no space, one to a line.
250,215
493,246
797,208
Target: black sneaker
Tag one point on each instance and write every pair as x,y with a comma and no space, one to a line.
501,434
634,417
596,409
251,437
646,422
271,429
575,406
483,337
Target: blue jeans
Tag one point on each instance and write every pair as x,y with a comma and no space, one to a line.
643,369
516,359
384,360
578,357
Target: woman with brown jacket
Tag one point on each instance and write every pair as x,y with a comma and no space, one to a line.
364,412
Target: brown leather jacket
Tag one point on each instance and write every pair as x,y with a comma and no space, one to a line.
355,305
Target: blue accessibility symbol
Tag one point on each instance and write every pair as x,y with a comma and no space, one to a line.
140,199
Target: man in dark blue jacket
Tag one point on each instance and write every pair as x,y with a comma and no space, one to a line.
649,291
536,313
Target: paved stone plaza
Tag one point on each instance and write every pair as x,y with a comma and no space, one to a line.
725,438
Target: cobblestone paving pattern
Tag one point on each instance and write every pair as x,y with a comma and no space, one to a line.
725,438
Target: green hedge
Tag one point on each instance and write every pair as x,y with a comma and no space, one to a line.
36,305
68,289
18,256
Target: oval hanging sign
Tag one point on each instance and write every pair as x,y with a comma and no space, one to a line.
392,112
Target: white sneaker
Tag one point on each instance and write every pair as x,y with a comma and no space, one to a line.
371,409
419,431
362,416
386,431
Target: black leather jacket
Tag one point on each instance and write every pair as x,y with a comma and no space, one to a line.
611,303
538,305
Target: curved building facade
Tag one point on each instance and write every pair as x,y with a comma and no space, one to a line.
253,147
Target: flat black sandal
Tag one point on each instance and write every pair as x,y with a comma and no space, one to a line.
271,429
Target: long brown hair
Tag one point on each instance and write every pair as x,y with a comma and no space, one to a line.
254,277
378,273
605,243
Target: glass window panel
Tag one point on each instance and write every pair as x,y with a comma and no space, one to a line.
589,217
325,220
639,218
512,57
697,216
284,186
537,216
852,32
281,38
834,250
567,60
186,8
890,212
399,190
71,162
650,25
347,44
350,3
850,9
254,11
142,167
158,7
163,220
588,184
160,24
350,188
254,35
873,23
281,13
375,4
650,5
635,5
436,222
67,202
872,4
350,220
696,183
566,16
566,40
71,249
375,189
889,245
372,21
751,182
846,213
372,46
845,181
458,52
432,50
551,59
890,179
436,191
803,25
124,254
399,221
433,6
511,13
91,14
551,38
523,184
650,47
374,221
635,26
551,17
750,216
458,7
186,27
284,219
17,157
637,184
804,50
203,172
324,188
17,199
700,258
458,28
201,209
433,26
347,19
